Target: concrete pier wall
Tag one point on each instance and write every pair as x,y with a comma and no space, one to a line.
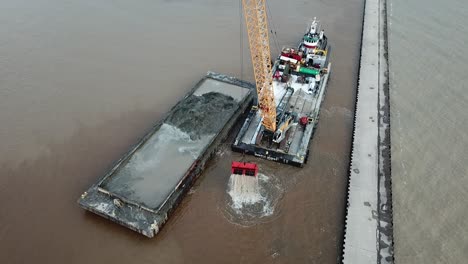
368,231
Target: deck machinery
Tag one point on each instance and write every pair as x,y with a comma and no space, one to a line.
280,125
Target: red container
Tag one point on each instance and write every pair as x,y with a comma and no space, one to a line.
244,168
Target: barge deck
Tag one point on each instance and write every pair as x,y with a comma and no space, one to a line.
299,81
147,183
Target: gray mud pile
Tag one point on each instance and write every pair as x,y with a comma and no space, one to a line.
203,115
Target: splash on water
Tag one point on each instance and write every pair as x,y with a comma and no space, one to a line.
244,190
252,200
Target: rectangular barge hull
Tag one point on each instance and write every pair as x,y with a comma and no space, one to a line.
300,137
145,186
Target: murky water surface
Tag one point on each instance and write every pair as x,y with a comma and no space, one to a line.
428,94
81,81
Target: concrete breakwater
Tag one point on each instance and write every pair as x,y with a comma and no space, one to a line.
368,227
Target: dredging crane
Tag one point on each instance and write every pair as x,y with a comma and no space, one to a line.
257,30
289,91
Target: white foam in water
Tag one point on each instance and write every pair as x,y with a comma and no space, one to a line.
252,196
252,200
244,190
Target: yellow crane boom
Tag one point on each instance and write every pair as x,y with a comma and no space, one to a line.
257,28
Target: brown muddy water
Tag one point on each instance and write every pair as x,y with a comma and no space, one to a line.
428,102
81,81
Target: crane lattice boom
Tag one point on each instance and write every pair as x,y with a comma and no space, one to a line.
257,29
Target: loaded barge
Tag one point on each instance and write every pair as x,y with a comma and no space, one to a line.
144,187
299,80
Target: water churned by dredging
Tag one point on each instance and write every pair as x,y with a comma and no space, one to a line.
251,199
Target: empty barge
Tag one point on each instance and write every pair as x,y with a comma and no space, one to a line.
299,80
146,184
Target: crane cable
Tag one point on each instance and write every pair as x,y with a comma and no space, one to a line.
273,34
241,44
273,28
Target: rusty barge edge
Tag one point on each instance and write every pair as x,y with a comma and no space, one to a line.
138,217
